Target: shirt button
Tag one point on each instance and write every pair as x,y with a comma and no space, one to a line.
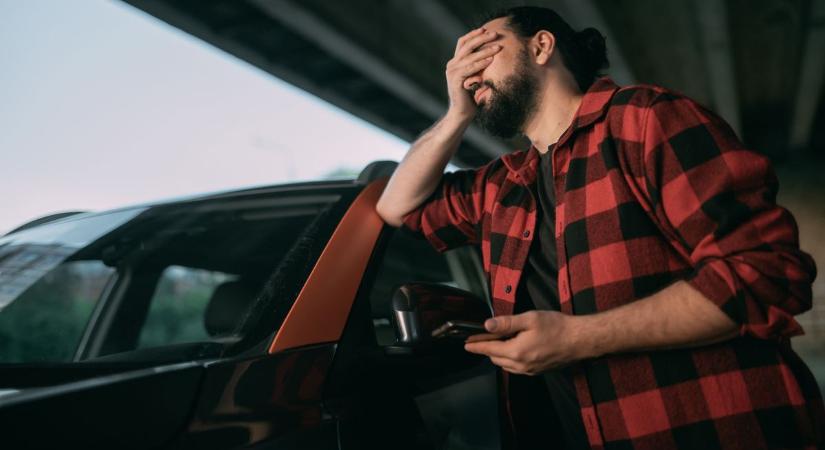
508,289
526,233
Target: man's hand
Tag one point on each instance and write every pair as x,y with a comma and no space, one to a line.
678,316
420,172
542,340
465,63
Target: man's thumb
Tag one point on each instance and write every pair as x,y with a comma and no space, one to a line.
504,324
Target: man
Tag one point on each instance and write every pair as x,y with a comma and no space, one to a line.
635,252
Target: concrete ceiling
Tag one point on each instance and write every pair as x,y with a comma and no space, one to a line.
758,63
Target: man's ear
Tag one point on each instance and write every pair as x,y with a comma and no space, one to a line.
543,46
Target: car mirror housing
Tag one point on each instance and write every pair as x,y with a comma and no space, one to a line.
420,308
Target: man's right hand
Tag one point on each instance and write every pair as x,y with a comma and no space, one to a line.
467,62
419,173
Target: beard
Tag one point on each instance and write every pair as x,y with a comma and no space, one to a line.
511,104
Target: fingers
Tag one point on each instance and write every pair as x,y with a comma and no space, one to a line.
484,337
489,348
474,42
473,67
470,35
511,324
473,62
484,53
508,364
469,74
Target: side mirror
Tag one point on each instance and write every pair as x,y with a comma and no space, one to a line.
420,308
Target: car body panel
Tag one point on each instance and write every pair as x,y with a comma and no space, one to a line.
145,408
321,309
265,398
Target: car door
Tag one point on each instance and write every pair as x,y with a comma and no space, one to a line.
381,405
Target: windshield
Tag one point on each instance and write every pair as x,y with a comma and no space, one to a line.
27,256
145,279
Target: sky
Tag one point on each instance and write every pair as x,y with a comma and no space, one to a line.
102,105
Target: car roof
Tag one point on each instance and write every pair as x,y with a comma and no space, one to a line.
299,188
306,186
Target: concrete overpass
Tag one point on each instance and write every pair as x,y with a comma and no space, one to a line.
758,63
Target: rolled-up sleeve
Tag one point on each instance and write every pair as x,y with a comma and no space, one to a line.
717,202
451,216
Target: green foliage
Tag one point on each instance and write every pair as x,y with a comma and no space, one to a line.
46,322
176,315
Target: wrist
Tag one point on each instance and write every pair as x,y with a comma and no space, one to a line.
593,336
459,118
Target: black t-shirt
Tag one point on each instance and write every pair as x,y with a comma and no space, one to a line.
544,408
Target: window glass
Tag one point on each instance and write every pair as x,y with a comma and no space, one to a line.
46,321
189,273
178,309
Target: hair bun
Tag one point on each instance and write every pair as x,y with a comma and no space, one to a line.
594,49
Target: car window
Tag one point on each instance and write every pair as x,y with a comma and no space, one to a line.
178,308
47,320
188,274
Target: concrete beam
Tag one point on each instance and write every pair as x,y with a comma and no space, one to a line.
713,30
442,20
811,79
293,15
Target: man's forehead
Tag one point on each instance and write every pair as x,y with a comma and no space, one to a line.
498,25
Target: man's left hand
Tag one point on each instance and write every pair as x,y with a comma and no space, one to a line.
541,340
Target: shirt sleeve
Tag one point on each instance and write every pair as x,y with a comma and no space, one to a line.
717,199
452,215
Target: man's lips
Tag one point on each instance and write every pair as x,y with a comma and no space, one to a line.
479,92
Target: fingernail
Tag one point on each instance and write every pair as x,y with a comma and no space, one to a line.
491,325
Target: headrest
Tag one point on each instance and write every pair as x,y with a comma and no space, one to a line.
229,303
376,170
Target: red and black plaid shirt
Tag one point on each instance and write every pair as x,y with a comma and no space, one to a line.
653,188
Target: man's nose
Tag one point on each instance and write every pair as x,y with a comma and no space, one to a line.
473,82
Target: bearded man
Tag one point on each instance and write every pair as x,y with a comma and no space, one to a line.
637,260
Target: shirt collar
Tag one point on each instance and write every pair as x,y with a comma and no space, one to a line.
594,105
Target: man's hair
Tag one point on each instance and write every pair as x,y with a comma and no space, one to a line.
584,52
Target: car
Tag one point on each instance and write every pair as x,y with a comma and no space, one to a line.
277,317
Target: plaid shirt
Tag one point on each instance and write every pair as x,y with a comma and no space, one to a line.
653,188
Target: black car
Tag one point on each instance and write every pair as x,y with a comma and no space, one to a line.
279,317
